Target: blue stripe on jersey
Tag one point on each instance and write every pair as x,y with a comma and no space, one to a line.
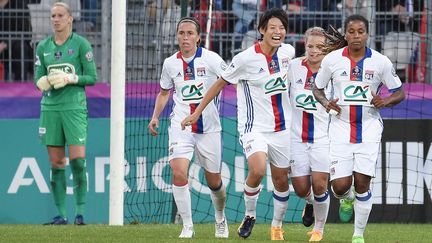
281,118
249,108
358,121
395,89
311,130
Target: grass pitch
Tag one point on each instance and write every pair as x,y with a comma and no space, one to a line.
205,233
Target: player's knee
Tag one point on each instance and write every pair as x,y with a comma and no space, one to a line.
256,174
179,177
319,188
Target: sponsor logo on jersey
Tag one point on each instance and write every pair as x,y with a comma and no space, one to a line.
188,73
393,72
356,93
277,85
261,70
201,71
178,75
300,81
344,74
273,66
306,102
309,83
192,92
71,52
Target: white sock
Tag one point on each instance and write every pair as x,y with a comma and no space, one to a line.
218,198
362,208
251,198
182,198
321,206
280,205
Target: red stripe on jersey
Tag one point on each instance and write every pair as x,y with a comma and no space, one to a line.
305,127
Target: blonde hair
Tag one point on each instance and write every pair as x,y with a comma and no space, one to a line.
314,31
68,10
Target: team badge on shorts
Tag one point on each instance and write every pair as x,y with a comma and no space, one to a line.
42,132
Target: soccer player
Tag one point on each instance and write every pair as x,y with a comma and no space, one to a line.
309,142
358,74
264,115
191,72
64,66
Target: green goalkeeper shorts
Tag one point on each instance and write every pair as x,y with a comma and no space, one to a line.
58,128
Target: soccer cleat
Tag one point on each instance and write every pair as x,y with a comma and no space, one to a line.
308,215
57,220
79,220
358,239
315,235
276,233
245,228
346,210
187,231
221,229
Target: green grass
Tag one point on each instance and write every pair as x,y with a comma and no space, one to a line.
205,233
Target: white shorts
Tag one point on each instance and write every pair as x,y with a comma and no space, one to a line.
348,157
307,157
207,148
275,144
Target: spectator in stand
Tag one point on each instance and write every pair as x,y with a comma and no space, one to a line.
15,37
398,15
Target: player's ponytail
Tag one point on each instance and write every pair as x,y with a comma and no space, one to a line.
335,40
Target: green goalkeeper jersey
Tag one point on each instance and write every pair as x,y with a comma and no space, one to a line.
75,56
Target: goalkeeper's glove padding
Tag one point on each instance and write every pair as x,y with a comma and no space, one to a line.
43,84
58,79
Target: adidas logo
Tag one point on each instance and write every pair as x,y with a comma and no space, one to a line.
179,75
300,81
261,70
344,74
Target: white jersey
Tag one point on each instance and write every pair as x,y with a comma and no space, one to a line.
353,84
309,119
262,88
191,80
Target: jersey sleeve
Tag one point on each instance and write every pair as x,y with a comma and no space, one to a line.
324,74
389,76
165,80
217,64
234,72
40,68
89,75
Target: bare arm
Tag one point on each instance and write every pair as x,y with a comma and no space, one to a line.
161,101
208,97
322,99
393,99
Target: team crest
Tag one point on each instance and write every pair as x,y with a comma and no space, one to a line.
369,75
201,72
356,72
70,52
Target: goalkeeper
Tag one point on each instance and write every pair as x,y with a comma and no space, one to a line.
64,66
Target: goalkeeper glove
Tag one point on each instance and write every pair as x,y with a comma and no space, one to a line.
58,79
43,84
